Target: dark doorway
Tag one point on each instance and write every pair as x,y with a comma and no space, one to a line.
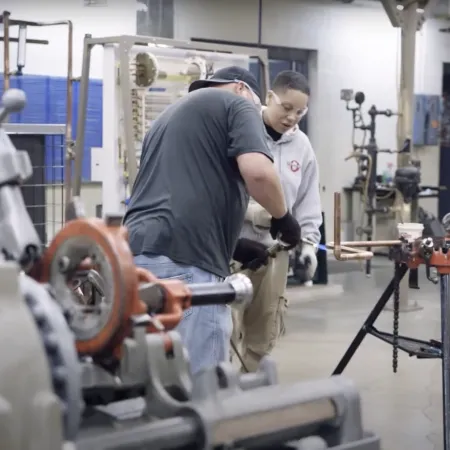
156,18
280,58
33,189
444,173
275,67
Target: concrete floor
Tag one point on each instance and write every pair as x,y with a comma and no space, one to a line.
404,409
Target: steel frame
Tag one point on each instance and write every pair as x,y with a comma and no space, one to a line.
396,16
390,6
409,21
8,22
35,128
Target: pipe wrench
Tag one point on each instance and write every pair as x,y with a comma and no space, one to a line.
271,253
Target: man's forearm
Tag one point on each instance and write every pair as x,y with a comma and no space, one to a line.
263,183
267,191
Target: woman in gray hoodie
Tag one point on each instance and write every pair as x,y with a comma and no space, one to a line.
258,327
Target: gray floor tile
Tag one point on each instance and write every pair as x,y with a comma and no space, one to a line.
405,408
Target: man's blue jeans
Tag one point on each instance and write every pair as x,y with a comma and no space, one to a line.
205,330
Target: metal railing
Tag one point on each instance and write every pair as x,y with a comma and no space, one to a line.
44,192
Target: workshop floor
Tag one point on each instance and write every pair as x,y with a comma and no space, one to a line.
404,409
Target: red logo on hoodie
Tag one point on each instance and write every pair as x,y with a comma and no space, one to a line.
294,165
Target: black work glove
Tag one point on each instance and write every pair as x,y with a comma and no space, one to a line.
287,230
251,254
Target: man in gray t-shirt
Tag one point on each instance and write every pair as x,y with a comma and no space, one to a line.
200,160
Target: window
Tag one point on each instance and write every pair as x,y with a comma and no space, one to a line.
155,18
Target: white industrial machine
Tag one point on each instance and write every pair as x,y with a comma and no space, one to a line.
141,77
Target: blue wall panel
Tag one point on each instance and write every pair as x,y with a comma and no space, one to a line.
420,102
37,89
427,118
56,113
94,123
57,100
47,105
433,122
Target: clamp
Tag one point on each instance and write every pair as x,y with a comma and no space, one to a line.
425,251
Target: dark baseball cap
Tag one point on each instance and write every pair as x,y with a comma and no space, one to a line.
230,74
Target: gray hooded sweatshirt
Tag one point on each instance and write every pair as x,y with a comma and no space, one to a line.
296,164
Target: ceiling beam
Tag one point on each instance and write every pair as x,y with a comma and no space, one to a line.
395,15
390,6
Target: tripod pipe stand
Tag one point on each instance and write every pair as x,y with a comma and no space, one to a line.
431,252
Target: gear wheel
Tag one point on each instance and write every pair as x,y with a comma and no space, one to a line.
59,345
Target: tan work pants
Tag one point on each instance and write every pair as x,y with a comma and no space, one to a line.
257,329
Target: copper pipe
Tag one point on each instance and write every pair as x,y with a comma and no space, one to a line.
344,248
6,28
368,243
6,69
337,223
359,256
338,249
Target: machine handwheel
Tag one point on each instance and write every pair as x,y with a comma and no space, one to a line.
86,244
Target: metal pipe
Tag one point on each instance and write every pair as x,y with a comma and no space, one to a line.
167,433
337,223
445,337
29,41
69,104
369,243
349,249
127,109
406,118
21,48
359,256
81,120
338,249
260,19
6,69
344,248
